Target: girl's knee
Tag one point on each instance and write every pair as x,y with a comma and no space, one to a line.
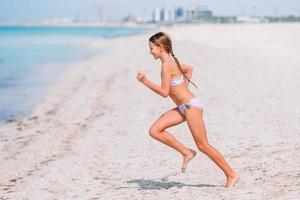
154,132
203,146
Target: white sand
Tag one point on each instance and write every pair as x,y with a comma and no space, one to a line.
89,138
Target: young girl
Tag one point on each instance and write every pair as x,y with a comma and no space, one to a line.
175,78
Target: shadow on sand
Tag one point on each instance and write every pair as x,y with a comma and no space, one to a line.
162,183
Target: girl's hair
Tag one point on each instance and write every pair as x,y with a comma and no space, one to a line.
163,39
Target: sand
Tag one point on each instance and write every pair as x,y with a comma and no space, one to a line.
88,138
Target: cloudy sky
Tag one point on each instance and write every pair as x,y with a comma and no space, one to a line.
18,10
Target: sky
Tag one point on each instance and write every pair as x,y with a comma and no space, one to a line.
26,10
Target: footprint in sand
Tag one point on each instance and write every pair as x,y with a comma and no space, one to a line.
51,112
33,117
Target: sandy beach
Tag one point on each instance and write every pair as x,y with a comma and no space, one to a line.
88,138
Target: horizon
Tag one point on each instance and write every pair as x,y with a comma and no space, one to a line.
32,10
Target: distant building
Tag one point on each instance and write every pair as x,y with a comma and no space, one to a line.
131,18
196,13
250,19
181,14
164,15
157,15
168,14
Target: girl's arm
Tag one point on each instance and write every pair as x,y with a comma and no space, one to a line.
162,90
188,70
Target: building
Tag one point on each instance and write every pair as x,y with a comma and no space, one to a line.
181,14
168,14
250,19
164,15
196,13
156,15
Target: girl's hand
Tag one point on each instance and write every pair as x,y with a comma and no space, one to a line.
140,76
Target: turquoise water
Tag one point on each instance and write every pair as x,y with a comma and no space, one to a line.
31,57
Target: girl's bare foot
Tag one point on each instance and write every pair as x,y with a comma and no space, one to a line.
232,180
187,158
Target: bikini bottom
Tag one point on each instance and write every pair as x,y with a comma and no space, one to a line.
196,102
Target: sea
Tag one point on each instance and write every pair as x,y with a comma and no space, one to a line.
31,57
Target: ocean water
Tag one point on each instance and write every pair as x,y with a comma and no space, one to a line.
31,57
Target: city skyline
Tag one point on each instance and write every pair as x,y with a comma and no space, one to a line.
16,10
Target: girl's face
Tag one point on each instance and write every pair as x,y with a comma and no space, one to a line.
155,50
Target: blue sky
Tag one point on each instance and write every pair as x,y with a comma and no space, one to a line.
18,10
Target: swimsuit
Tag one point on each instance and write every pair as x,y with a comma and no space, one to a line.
196,102
177,81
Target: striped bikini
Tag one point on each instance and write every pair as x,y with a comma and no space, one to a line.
196,102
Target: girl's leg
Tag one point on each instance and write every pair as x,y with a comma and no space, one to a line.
197,127
157,131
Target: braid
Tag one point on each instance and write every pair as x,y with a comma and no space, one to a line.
180,69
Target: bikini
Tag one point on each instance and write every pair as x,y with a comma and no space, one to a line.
196,102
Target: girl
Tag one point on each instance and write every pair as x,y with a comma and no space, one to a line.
175,78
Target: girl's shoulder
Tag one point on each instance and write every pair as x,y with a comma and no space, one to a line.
186,66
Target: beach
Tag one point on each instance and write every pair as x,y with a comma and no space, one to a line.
88,137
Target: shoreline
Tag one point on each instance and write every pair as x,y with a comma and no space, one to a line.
92,47
89,137
43,114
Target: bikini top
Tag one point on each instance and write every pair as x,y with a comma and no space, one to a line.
177,81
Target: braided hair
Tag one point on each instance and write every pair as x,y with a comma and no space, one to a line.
163,39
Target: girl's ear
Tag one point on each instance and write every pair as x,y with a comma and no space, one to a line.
161,47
